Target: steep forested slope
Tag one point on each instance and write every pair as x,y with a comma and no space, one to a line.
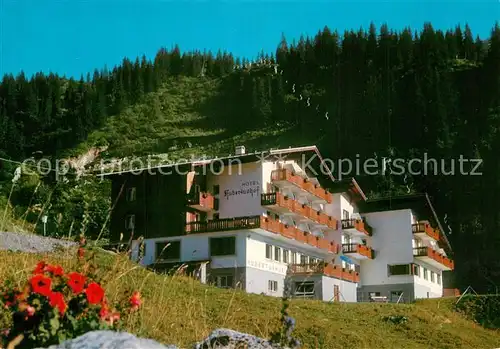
358,95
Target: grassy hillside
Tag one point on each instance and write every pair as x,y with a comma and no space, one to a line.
188,116
181,311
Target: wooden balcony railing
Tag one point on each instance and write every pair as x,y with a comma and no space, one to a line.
428,252
201,200
266,223
425,228
335,271
358,224
294,233
360,249
302,183
281,201
226,224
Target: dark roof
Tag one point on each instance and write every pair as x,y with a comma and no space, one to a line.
420,204
349,186
323,173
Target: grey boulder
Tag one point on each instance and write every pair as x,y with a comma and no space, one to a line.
218,339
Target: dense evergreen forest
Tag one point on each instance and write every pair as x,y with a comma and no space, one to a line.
363,93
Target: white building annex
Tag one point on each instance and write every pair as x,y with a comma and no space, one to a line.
261,223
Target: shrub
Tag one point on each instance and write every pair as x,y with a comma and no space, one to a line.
54,306
484,309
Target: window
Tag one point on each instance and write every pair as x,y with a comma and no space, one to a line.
439,279
426,276
277,254
432,276
303,259
269,252
168,250
130,222
396,295
399,269
304,289
286,255
131,194
225,281
216,204
416,269
216,189
225,246
294,257
345,214
272,285
215,216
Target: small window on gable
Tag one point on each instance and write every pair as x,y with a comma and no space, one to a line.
130,222
131,193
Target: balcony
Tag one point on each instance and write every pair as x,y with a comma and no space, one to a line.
425,231
265,223
334,271
294,233
356,227
285,178
226,224
434,258
358,251
201,201
303,213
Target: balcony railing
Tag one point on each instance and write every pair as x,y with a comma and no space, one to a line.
225,224
428,252
359,249
427,229
265,223
284,175
284,203
201,201
334,271
358,224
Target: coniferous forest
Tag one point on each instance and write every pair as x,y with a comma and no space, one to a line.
374,92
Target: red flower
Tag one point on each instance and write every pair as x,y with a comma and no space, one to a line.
40,268
76,282
41,284
56,270
135,300
56,300
104,312
30,310
81,252
95,293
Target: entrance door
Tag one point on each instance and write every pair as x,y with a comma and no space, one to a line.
336,293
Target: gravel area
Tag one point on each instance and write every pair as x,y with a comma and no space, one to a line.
31,243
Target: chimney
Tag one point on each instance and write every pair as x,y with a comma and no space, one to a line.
240,150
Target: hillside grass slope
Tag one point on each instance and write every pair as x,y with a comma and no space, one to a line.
188,116
178,310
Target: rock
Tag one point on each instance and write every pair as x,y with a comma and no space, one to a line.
229,339
110,340
218,339
31,243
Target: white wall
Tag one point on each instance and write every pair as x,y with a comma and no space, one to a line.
347,290
196,247
422,286
392,242
240,186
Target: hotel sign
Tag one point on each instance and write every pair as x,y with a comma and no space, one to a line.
251,188
272,267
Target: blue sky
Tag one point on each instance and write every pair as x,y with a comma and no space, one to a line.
77,36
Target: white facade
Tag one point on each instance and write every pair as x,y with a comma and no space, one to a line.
261,258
